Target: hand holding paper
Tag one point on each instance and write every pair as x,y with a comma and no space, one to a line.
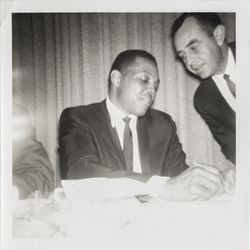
196,183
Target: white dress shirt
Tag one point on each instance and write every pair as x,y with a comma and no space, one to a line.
222,84
116,117
156,183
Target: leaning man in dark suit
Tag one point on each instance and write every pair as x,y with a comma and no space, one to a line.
199,41
123,137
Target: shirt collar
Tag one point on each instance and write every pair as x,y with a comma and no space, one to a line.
116,115
230,67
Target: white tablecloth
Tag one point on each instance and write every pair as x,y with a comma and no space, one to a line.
127,223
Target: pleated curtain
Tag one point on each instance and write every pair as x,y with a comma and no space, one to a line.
63,59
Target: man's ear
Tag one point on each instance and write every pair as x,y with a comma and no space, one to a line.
219,34
115,77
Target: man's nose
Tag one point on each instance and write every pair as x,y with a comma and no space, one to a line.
151,88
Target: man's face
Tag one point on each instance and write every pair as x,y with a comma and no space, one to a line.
137,87
199,52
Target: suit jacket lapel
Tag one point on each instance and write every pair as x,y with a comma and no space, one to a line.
221,97
143,140
113,134
216,89
144,145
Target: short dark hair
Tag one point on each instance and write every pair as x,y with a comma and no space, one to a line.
207,20
127,57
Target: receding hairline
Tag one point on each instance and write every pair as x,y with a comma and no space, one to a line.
135,62
206,21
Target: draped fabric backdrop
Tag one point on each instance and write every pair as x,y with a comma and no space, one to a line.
63,59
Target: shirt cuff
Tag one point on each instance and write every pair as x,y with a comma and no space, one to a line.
156,184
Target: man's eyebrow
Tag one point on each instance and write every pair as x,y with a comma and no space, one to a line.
192,42
189,44
149,74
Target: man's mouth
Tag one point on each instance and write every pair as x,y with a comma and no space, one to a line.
197,69
147,99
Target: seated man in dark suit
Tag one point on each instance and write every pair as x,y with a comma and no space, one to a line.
32,170
122,136
199,40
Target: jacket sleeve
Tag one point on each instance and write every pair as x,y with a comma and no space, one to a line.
79,157
224,136
175,157
32,170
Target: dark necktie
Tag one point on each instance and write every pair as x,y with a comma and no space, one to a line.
128,144
230,84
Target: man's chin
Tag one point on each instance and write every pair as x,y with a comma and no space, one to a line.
142,111
200,73
203,75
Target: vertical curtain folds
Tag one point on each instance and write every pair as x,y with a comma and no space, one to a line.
63,59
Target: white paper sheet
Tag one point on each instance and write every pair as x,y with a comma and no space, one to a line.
103,188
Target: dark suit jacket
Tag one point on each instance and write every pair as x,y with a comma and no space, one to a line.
89,146
217,113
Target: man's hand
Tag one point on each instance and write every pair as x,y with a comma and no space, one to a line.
196,183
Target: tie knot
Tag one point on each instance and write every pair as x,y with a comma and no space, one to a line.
126,119
226,76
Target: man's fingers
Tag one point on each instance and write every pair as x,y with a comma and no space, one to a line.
210,180
207,167
195,183
200,193
212,177
211,186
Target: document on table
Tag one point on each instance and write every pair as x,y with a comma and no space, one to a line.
103,188
113,188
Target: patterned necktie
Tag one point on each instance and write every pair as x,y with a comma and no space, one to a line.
230,84
128,144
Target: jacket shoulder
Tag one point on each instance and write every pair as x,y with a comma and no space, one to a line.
82,110
160,118
160,114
